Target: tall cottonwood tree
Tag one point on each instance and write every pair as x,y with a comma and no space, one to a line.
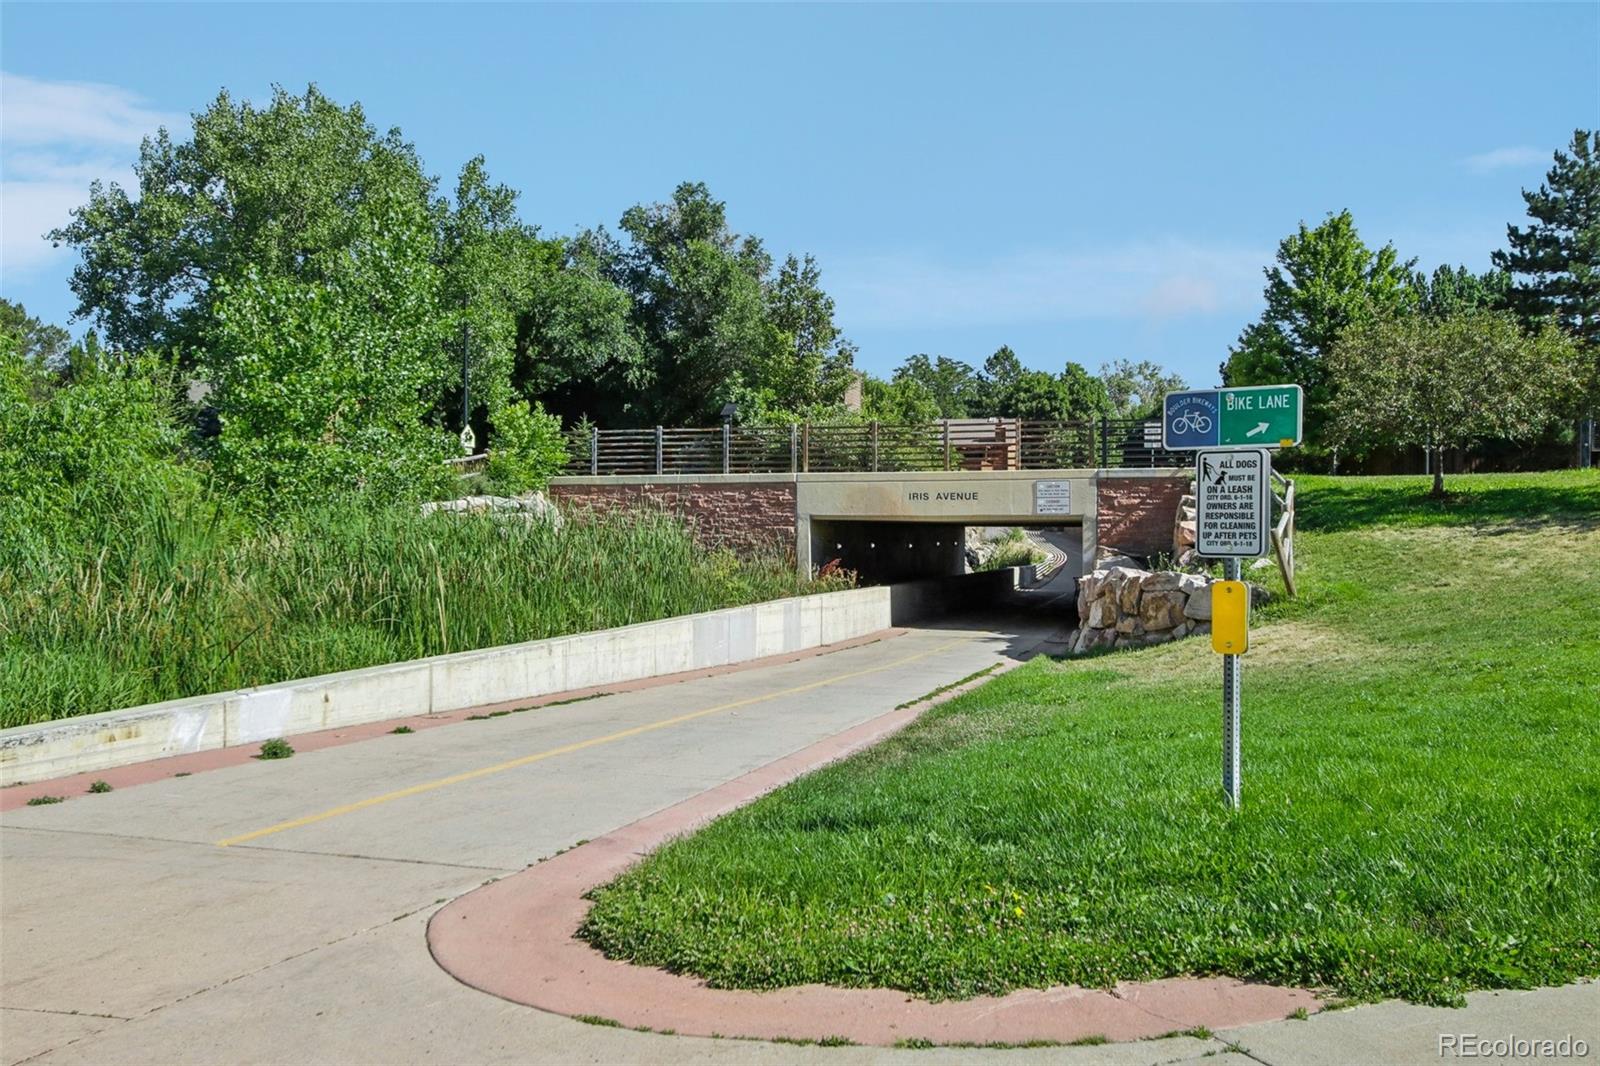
812,363
278,190
1326,280
714,321
1134,390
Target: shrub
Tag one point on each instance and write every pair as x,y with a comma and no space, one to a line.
527,448
276,748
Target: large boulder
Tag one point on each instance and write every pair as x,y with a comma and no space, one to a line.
1198,606
1162,609
1115,561
1128,591
1090,639
531,507
1102,614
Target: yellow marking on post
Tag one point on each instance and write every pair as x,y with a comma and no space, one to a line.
568,749
1230,617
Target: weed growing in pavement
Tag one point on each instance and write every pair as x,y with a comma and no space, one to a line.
276,748
402,729
40,801
595,1019
100,786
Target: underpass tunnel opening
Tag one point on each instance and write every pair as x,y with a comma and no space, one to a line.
884,553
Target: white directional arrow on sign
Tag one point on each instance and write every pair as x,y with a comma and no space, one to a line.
1261,427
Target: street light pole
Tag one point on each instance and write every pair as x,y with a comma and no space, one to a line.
466,403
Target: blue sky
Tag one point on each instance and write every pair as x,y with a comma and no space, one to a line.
1080,182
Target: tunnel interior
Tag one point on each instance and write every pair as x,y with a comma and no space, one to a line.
882,553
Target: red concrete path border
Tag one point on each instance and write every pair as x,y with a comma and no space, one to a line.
515,939
142,773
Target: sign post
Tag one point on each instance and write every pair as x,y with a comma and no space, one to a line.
1233,509
1230,615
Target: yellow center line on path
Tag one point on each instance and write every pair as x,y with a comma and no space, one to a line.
567,749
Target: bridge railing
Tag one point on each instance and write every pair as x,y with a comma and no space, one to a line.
949,444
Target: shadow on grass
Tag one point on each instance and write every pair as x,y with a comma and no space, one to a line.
1502,503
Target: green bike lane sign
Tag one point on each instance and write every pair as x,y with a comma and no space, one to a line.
1259,416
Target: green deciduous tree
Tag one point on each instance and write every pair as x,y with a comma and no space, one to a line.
577,347
79,457
1073,395
323,387
903,400
279,191
1135,390
1413,380
1452,290
484,253
1326,279
699,304
812,364
528,446
955,387
1555,260
41,343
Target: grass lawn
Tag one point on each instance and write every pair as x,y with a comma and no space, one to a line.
1421,792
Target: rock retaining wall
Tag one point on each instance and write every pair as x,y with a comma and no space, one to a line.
1122,607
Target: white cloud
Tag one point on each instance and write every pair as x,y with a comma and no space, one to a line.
1506,158
55,138
1141,281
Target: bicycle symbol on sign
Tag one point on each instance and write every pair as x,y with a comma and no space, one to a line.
1191,422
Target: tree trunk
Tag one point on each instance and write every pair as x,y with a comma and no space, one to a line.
1438,473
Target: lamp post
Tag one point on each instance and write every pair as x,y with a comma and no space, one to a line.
469,440
730,411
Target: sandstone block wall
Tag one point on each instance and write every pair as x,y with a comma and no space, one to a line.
748,517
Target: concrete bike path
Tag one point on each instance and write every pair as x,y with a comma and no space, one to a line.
128,935
130,921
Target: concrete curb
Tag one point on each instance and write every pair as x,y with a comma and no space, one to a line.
447,682
514,939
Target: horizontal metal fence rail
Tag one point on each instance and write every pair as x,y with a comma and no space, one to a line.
951,444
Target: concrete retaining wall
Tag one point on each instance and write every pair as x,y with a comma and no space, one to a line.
444,683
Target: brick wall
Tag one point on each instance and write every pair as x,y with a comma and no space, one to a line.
1137,513
746,516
